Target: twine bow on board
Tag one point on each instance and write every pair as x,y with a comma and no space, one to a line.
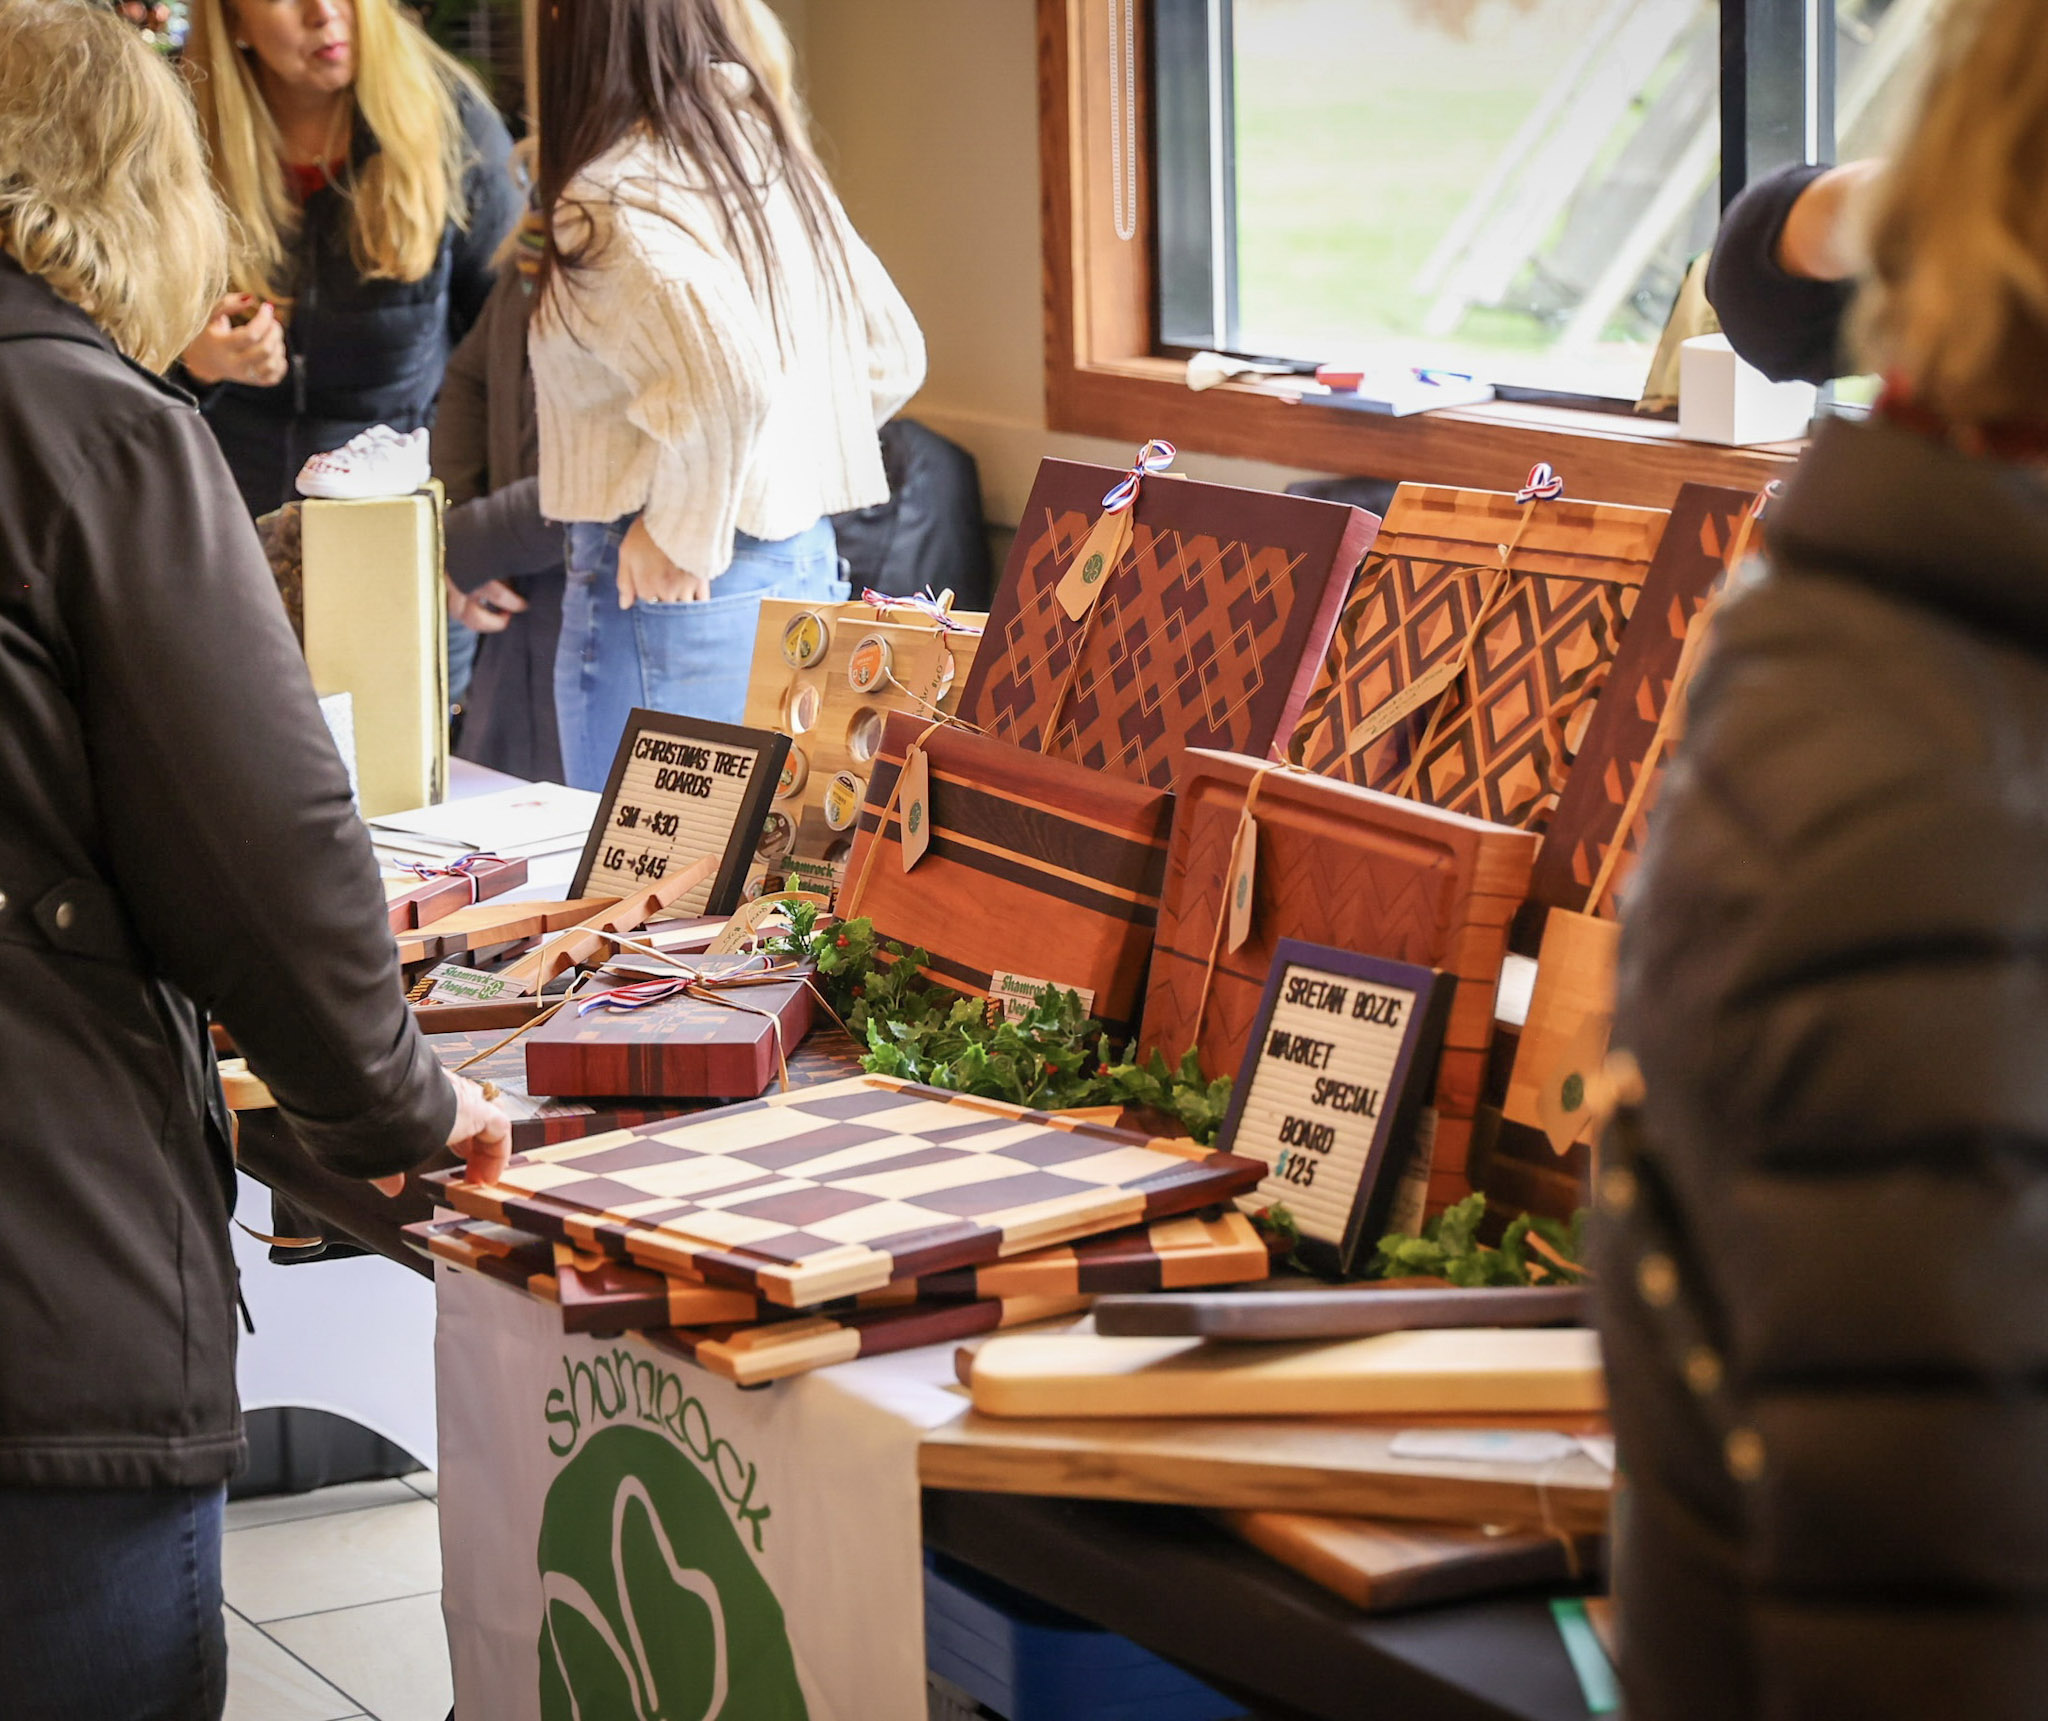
1095,564
1544,484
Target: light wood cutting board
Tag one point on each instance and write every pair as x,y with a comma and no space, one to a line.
1475,1370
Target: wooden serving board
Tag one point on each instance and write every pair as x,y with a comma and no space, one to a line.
1379,1566
1208,632
1038,871
1326,1465
485,924
1455,1371
832,726
412,901
1280,1316
1343,866
1498,741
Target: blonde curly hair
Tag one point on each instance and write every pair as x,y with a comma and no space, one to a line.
104,191
1955,302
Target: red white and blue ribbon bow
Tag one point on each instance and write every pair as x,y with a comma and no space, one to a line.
1544,484
923,603
1155,456
632,997
466,867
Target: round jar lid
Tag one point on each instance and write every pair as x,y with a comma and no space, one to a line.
795,769
868,669
843,798
800,706
778,837
804,639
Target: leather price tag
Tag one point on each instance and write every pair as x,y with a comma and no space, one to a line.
1244,863
1090,570
917,807
1419,692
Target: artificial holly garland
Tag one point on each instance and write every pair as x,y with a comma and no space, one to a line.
1054,1057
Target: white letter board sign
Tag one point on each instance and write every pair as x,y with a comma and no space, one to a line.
681,788
1342,1060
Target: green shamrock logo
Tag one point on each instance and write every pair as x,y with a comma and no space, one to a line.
916,817
1091,570
1244,888
652,1609
1573,1094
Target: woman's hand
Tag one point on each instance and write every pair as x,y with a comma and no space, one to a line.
645,572
488,609
482,1135
251,351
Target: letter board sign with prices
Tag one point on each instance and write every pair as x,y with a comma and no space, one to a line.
681,788
1341,1062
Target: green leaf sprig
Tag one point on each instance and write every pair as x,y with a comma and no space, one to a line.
1055,1057
1532,1251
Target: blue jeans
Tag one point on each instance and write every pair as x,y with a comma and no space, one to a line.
110,1604
691,659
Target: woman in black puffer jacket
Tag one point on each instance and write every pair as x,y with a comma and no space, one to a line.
1823,1245
368,176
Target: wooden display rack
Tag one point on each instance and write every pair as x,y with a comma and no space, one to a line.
834,727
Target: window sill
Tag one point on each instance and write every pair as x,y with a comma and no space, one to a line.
1602,456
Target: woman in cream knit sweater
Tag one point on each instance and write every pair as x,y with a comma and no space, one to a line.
713,352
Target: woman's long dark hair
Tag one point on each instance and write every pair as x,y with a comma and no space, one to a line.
608,67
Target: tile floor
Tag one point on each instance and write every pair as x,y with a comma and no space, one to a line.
334,1605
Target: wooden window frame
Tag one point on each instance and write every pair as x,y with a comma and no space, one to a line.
1104,376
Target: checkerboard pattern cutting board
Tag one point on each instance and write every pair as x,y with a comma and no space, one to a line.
831,1191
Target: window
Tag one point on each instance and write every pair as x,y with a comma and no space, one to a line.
1512,189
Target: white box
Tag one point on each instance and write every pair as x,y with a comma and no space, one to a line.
1723,399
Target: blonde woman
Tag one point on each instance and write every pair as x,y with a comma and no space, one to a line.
713,349
366,174
1823,1248
176,840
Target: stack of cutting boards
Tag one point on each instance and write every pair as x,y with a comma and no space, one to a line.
1396,1446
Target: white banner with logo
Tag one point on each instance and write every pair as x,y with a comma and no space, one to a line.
627,1538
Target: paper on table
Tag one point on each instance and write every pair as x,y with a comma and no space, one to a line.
533,819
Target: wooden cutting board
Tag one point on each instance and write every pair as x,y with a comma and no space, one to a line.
1324,1465
1351,1313
1380,1566
1482,1370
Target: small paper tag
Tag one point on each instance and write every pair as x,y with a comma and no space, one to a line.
455,984
1089,572
1419,692
1244,865
1018,993
916,806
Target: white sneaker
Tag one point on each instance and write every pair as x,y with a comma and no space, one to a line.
379,462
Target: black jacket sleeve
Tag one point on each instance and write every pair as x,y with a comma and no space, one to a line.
1788,327
501,536
492,201
230,832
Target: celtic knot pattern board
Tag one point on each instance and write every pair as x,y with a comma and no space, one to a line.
1497,741
831,1191
1342,866
1208,632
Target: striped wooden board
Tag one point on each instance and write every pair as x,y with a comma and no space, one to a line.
1348,867
753,1355
1499,740
1038,871
1208,633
